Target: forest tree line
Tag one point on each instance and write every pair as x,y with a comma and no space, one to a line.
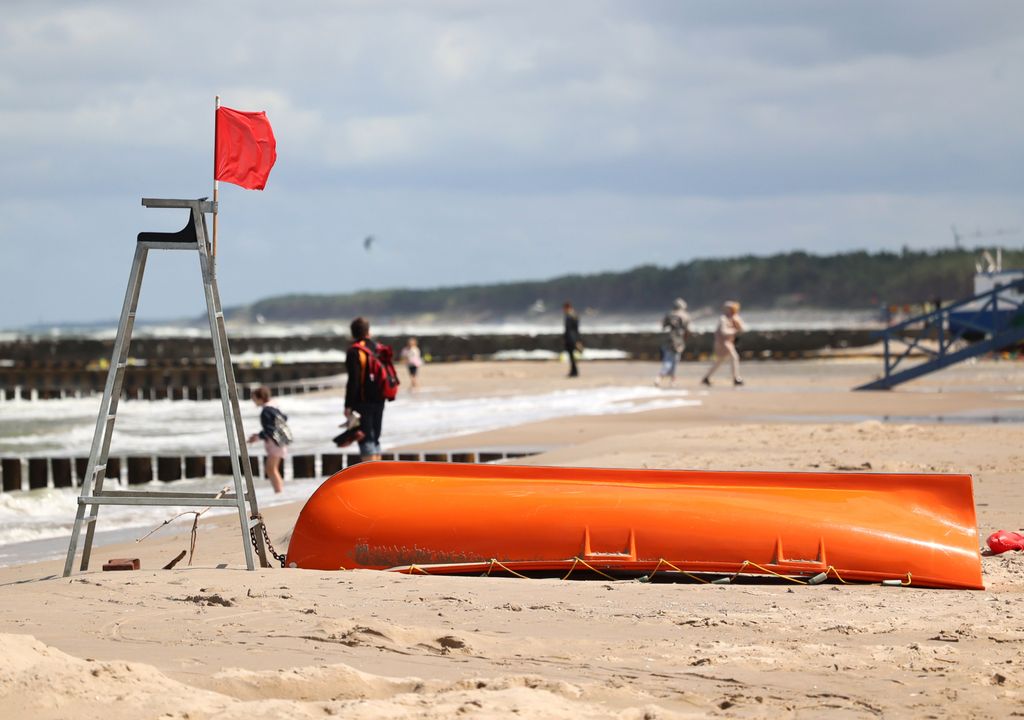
854,280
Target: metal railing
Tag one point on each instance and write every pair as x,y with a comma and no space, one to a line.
945,340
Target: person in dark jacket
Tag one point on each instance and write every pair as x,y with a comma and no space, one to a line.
571,337
276,452
676,329
362,393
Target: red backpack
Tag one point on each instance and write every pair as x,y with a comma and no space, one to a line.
380,370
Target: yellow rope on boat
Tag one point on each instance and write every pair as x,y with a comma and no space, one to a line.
495,561
898,582
580,561
832,569
770,572
663,561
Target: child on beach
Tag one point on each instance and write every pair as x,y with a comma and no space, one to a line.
413,359
729,326
275,435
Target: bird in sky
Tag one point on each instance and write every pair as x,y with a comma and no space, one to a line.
367,242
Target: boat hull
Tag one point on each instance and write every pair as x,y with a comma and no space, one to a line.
443,518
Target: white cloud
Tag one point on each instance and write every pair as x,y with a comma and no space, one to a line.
528,138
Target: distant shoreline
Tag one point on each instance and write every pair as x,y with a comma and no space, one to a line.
704,319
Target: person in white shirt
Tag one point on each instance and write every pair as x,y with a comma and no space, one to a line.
413,359
729,326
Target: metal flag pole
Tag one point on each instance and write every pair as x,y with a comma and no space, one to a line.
216,184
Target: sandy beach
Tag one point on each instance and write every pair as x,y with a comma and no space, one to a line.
216,641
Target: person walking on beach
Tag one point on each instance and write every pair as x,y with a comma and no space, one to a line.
571,337
413,359
275,435
676,326
363,393
729,326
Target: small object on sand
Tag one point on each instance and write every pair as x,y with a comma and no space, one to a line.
175,561
1003,540
122,564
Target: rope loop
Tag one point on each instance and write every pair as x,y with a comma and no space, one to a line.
762,568
663,561
495,561
832,569
580,561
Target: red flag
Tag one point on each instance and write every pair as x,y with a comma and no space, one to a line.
245,148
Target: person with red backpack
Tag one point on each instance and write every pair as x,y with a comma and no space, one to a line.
372,381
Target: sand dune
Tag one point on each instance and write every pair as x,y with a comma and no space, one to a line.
39,681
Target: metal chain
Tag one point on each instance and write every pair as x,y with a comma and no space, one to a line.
266,537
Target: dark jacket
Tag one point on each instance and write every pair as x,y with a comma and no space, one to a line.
359,390
572,330
268,421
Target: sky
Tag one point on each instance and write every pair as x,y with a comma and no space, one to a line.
494,141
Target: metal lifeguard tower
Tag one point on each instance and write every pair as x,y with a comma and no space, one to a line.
93,495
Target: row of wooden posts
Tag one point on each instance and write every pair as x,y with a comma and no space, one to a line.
17,474
183,368
44,384
168,391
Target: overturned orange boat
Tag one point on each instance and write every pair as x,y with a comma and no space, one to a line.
440,518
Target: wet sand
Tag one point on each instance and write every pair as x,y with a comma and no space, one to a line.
215,640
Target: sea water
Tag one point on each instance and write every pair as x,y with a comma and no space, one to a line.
704,320
36,524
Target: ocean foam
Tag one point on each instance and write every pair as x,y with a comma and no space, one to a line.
65,428
544,324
